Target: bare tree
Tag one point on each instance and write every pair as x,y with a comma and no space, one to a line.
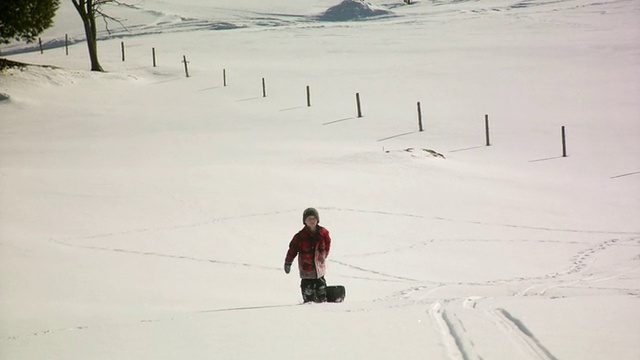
89,10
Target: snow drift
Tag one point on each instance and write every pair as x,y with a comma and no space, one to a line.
349,10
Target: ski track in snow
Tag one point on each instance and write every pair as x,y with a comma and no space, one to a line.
452,341
459,342
517,332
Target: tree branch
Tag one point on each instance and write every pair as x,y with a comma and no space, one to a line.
105,17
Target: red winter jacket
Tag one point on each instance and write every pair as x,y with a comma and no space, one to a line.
312,249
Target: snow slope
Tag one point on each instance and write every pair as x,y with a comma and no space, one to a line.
146,215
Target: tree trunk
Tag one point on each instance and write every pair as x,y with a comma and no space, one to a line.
88,15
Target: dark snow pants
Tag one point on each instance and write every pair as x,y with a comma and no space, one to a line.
314,290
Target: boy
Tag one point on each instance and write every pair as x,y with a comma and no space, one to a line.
311,245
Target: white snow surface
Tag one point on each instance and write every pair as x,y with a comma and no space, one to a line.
146,215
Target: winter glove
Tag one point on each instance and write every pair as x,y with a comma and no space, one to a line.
287,268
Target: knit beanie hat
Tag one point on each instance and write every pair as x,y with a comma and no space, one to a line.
310,212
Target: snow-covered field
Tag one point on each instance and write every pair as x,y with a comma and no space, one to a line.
146,215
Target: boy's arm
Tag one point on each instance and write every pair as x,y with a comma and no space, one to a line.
291,254
328,243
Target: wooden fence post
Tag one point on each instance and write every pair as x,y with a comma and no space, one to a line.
40,42
486,129
264,88
153,55
420,117
308,96
224,77
186,67
564,143
122,49
358,105
66,44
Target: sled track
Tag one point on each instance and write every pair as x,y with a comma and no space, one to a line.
459,343
456,344
518,333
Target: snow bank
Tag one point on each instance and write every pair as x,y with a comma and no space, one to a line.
349,10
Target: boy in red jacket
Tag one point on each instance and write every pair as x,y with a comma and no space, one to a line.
311,245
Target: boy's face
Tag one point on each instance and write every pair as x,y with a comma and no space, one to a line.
311,222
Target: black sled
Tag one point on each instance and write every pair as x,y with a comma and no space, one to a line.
336,293
318,292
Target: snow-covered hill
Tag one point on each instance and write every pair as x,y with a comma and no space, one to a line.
146,215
